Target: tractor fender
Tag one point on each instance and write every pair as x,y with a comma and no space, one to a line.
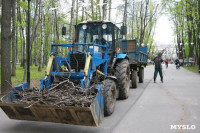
112,78
117,58
122,56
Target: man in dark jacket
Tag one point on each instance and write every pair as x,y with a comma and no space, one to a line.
158,67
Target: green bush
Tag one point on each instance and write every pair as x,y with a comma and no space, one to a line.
194,69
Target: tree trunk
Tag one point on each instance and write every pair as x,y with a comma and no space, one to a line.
92,6
57,29
34,26
5,46
76,12
98,1
42,39
125,13
36,60
72,21
25,71
110,5
13,38
104,9
82,18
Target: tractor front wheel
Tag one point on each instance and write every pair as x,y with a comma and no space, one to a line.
109,97
122,72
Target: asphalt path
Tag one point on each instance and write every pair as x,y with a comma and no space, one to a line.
169,107
121,109
151,108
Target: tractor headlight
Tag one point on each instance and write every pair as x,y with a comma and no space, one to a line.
104,26
84,26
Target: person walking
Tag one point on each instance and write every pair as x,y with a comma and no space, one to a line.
166,63
158,66
177,63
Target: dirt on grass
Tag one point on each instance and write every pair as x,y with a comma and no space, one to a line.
34,83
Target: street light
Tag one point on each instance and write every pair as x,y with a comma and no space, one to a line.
28,46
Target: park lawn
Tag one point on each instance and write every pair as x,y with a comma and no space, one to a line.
35,74
194,69
149,64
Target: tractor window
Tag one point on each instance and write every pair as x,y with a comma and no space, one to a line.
81,36
84,36
116,37
88,38
94,32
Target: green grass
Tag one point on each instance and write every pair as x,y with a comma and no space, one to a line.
194,69
149,64
35,74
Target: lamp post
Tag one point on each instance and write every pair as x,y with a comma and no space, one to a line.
28,46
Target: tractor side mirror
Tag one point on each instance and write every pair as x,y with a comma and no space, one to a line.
123,30
64,29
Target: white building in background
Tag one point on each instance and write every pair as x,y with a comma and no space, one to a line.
170,51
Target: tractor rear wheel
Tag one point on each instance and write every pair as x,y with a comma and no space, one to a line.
141,74
134,79
122,72
109,97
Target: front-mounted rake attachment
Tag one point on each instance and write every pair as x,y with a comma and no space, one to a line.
88,116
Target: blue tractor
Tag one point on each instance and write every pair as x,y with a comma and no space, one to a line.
98,57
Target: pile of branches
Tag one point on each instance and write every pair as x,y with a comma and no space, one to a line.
63,93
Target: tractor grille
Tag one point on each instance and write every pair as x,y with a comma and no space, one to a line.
77,57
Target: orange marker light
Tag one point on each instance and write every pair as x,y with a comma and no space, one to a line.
117,49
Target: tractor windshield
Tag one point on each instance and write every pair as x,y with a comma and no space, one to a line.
99,33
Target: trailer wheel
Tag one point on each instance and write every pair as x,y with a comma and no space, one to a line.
122,72
141,74
134,79
109,97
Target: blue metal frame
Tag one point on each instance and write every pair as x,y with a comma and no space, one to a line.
95,62
19,87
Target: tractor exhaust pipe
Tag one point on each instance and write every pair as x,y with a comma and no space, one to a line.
28,46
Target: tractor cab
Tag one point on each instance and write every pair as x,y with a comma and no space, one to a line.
99,32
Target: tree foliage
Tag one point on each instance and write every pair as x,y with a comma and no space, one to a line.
49,16
185,15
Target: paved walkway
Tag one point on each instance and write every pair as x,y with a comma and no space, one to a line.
163,106
151,108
